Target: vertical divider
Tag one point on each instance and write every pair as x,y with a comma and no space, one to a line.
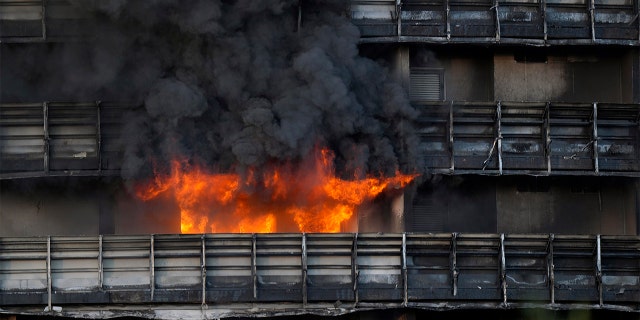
547,136
599,268
596,165
405,292
304,270
503,270
253,266
550,270
203,270
454,264
100,264
354,267
499,134
152,267
49,280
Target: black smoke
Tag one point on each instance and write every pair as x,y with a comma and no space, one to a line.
245,83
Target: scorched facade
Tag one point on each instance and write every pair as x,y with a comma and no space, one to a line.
502,139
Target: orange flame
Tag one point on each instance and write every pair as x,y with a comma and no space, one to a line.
310,198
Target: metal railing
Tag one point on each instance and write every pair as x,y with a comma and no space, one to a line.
457,137
534,138
538,22
60,138
303,271
484,21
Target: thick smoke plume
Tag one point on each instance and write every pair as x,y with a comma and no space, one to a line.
235,84
228,84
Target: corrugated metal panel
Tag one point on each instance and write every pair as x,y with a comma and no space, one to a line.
426,86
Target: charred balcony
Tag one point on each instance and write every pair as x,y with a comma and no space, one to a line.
326,274
530,138
537,22
497,138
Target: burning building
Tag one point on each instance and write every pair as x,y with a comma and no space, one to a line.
263,158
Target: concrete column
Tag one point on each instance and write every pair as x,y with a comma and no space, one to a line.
397,213
401,66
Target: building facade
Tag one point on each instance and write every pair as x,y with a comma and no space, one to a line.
527,130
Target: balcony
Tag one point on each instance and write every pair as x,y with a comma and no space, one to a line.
60,139
532,138
325,274
484,138
534,22
40,20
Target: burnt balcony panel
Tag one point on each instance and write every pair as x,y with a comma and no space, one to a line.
229,267
22,138
429,267
618,140
330,273
523,136
375,18
571,137
127,268
527,267
21,19
279,267
392,270
66,20
574,263
529,138
568,19
616,19
424,18
177,263
472,18
73,136
521,19
620,269
475,139
39,20
379,260
23,271
478,265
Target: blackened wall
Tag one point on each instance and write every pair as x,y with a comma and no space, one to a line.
568,205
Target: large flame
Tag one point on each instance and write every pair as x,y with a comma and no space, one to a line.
309,197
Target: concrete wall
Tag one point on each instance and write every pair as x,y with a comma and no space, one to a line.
578,75
79,206
467,72
567,205
452,204
38,208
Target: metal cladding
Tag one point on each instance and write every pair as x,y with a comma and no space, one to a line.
306,273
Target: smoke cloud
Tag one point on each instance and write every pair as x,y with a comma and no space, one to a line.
236,84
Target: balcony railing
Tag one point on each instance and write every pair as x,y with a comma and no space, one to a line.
465,21
486,138
315,273
42,20
499,21
530,138
60,138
